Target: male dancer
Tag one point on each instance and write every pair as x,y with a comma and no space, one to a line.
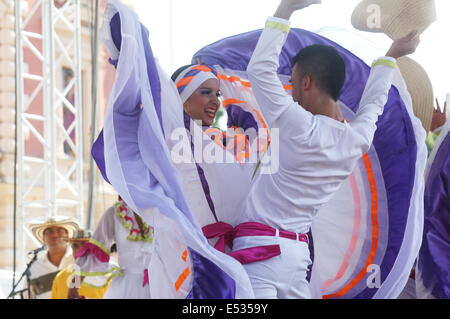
318,151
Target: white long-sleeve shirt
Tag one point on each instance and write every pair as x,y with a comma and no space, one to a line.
316,152
43,266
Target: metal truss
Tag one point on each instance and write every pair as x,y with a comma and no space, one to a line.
51,182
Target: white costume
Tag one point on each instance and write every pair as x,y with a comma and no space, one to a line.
316,155
130,280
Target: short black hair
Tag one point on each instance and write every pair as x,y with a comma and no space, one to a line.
179,70
324,65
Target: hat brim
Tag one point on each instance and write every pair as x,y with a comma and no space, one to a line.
400,19
38,229
420,88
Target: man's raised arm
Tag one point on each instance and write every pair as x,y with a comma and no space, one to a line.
379,83
263,66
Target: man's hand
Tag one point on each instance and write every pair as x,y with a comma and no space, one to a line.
287,7
404,46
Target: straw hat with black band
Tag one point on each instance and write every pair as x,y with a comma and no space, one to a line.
37,228
397,18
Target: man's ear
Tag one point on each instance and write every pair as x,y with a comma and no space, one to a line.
307,82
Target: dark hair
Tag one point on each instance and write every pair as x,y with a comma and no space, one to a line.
178,71
324,65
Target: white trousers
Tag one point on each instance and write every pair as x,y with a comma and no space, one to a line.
280,277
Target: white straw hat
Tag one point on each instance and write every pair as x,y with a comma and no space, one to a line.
38,227
396,18
420,88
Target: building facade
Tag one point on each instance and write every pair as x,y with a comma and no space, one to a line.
104,194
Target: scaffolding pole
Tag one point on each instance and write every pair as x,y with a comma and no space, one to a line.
51,182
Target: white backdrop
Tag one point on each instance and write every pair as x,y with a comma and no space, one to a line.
179,28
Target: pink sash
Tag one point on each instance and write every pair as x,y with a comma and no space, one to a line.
227,233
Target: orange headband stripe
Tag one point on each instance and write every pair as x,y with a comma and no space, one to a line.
184,81
247,84
203,68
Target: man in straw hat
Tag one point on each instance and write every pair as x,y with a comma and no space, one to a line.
54,232
64,278
318,151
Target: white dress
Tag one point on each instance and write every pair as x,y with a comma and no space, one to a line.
129,280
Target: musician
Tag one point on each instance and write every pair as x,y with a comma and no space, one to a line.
54,233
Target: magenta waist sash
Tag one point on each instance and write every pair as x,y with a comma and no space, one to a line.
227,233
224,231
258,229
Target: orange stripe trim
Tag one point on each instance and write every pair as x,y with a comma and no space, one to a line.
185,254
354,239
182,278
375,232
227,102
203,68
233,78
184,81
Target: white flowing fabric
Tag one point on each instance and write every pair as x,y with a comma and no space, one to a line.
142,181
393,285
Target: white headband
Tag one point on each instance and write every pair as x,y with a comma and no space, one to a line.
196,81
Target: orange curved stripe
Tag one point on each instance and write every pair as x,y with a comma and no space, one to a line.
375,232
203,68
354,239
227,102
182,278
184,255
233,78
184,81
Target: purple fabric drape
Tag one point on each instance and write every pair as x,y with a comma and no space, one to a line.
240,118
434,255
221,285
